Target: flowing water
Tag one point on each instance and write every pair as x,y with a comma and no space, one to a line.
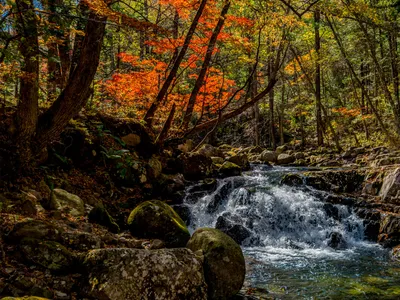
296,245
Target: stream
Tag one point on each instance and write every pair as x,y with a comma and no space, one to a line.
296,245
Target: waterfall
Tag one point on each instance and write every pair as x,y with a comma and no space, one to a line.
256,210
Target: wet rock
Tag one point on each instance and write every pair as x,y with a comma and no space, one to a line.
116,274
100,215
241,160
207,185
157,220
229,169
342,181
332,211
336,241
237,232
396,253
284,159
292,180
268,156
131,139
372,219
62,200
389,231
224,265
184,212
196,166
36,229
172,187
219,198
390,191
48,254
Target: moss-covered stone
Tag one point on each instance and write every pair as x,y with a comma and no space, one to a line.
229,169
196,166
136,274
157,220
100,215
48,254
224,265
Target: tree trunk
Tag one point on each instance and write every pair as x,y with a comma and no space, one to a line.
27,109
148,118
317,19
76,93
206,63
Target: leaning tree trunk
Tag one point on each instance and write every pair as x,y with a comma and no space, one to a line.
77,91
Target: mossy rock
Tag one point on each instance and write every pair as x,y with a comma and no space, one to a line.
157,220
229,169
224,265
48,254
100,215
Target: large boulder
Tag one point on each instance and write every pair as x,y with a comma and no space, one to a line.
196,166
122,273
390,191
157,220
268,156
224,265
62,200
285,159
241,160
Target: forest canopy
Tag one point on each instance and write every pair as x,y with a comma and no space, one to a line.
318,72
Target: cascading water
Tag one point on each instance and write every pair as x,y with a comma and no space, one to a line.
296,245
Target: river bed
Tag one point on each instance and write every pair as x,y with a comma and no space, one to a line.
296,246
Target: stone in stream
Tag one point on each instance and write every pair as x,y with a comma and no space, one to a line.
268,156
241,160
224,265
284,159
229,169
336,241
157,220
237,232
136,274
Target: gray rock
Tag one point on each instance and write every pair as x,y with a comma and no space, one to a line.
210,151
224,265
268,156
121,273
241,160
196,166
284,159
62,200
390,191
